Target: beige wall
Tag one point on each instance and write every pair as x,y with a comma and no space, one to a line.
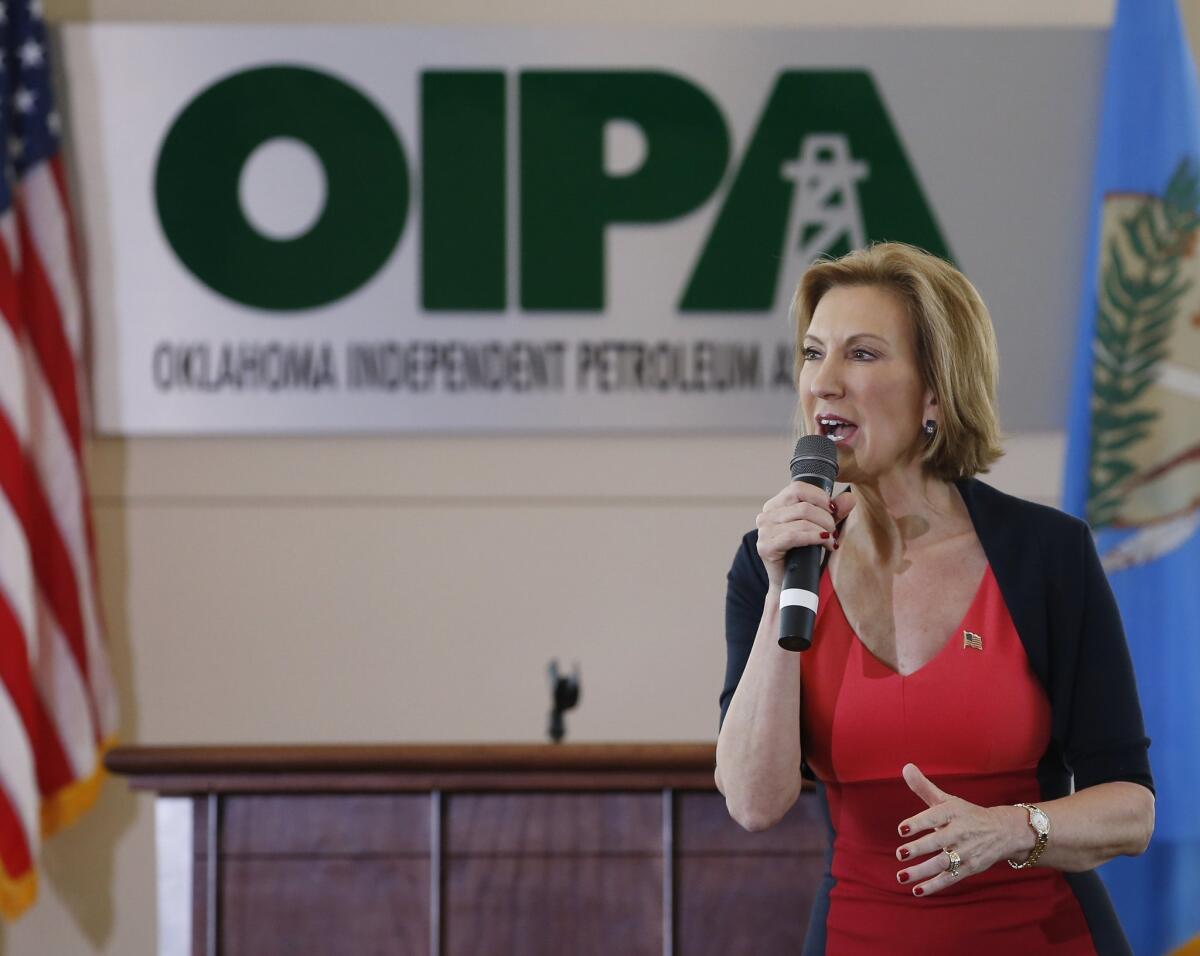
413,589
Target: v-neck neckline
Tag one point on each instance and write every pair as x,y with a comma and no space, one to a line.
987,570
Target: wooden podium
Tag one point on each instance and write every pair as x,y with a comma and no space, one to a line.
620,850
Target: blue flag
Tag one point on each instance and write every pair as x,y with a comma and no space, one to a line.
1133,460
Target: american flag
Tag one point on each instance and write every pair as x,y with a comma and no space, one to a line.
57,702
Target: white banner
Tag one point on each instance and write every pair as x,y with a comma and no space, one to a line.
321,229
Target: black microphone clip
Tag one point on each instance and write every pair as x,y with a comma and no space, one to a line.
564,693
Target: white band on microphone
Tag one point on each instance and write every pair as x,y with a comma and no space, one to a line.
793,597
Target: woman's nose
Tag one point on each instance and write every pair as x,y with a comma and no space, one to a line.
828,379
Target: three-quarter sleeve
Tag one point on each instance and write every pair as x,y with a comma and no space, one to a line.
746,589
1106,738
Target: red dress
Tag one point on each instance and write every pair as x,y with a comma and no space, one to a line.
976,721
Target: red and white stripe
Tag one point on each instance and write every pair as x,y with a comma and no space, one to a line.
57,700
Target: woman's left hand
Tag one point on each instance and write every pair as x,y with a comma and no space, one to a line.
981,836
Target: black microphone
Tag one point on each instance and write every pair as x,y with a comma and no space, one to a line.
814,462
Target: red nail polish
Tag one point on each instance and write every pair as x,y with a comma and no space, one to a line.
904,854
835,547
824,534
918,891
905,830
902,877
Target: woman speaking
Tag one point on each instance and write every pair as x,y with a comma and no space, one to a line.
968,706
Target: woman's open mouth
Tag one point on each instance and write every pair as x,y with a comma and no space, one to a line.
835,427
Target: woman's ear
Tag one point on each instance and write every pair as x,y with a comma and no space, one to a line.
931,407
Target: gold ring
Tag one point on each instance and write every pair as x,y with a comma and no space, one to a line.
955,862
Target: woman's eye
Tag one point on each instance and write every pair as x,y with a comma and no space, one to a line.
810,354
862,354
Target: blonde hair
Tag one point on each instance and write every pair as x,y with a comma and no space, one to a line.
956,345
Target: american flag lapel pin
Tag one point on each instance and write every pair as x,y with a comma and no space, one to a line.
972,640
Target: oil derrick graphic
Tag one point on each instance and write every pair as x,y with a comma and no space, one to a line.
825,216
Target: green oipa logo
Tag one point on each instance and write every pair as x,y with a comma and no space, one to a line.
823,172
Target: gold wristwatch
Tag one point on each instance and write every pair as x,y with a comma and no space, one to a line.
1040,824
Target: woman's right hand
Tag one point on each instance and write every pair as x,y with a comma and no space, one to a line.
799,515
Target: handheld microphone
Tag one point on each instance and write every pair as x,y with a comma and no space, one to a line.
813,462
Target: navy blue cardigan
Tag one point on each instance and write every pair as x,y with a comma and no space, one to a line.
1050,576
1058,597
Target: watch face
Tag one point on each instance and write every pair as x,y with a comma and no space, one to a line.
1039,820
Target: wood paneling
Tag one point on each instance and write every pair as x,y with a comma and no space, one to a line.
545,906
740,892
703,825
158,763
326,825
557,859
744,905
321,907
580,824
317,874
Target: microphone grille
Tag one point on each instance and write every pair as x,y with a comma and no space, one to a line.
815,455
